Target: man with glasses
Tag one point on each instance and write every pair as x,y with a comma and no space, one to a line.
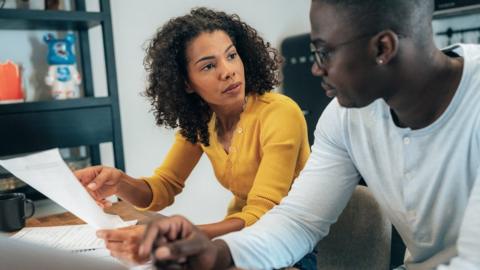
406,118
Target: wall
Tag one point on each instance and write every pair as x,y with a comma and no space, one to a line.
145,144
457,23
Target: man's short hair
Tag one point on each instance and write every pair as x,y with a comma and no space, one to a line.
407,17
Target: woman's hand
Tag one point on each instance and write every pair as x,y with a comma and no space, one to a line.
101,182
175,243
124,243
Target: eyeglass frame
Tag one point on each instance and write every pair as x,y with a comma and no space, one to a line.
322,57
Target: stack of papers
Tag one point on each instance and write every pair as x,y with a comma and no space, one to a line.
77,238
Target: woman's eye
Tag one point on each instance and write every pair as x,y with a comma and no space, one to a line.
207,67
232,56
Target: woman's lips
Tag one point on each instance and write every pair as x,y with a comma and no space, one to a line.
232,87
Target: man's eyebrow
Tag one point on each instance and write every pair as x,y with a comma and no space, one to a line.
211,56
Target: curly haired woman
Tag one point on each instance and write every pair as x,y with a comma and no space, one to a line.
209,76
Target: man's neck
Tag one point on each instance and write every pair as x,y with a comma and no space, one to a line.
425,93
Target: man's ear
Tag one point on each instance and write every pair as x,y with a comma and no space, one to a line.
385,46
188,88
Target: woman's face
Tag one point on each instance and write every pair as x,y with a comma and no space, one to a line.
215,70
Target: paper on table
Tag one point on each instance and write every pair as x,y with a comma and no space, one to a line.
47,172
75,238
72,237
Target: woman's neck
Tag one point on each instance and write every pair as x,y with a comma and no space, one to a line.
228,116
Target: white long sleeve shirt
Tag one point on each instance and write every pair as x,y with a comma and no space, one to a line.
427,181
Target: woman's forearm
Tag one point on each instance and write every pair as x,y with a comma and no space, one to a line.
213,230
135,191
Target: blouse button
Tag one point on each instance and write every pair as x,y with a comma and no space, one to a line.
239,130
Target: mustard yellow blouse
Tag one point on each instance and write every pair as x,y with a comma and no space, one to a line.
268,150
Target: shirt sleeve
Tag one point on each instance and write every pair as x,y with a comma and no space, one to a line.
468,244
293,228
281,152
169,179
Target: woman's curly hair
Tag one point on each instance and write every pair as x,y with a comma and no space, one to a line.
166,65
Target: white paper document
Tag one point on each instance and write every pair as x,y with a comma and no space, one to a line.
79,239
73,237
16,254
47,172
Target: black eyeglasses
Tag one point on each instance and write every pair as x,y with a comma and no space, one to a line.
322,55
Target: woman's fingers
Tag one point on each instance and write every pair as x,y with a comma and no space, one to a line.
122,247
86,175
105,176
96,176
111,235
124,243
132,234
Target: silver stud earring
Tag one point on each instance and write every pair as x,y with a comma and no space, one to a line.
380,61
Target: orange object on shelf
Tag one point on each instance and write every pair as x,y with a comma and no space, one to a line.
10,82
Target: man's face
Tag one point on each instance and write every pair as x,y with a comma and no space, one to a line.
347,62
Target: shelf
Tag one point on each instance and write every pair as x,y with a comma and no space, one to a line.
34,126
460,11
28,127
54,105
24,19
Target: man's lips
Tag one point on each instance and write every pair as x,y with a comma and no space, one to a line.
231,87
329,90
326,86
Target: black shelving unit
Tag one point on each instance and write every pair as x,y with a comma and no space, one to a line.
89,121
457,11
22,19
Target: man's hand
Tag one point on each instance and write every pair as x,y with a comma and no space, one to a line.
124,243
175,243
